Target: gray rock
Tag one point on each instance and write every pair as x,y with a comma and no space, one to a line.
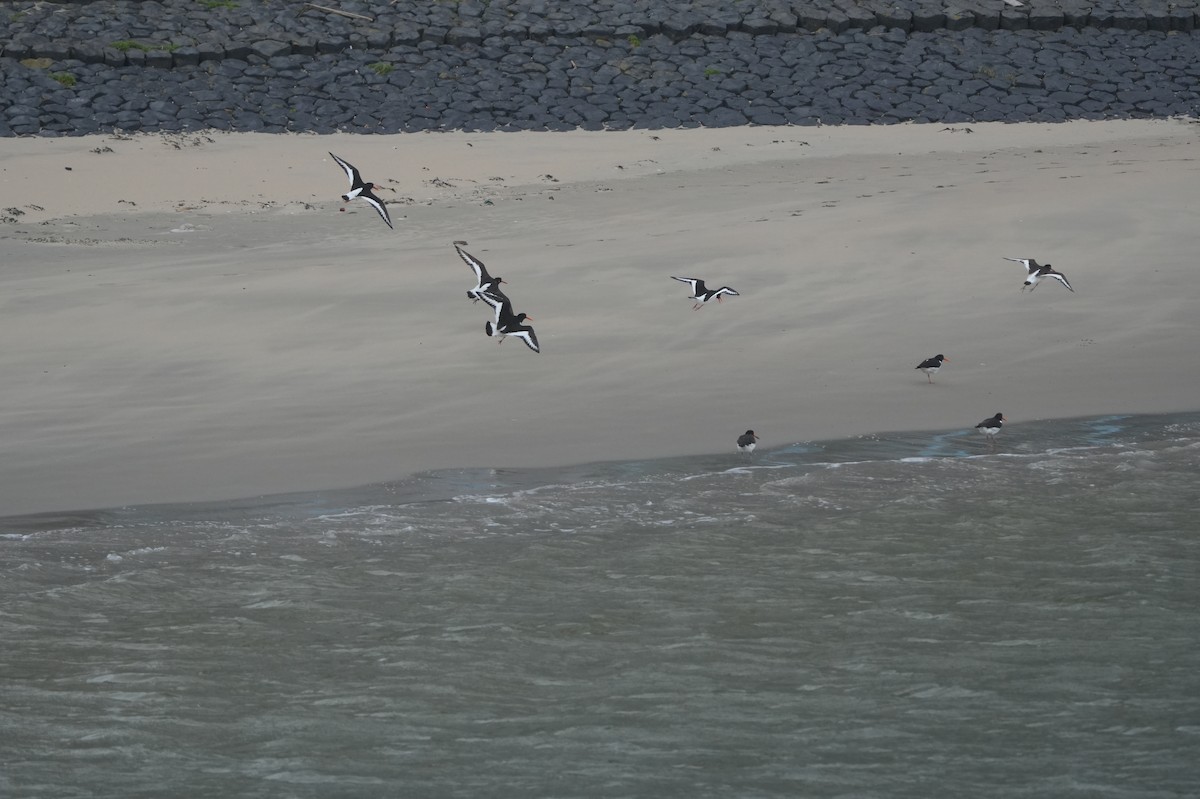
270,48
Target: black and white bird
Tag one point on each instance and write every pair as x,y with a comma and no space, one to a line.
484,283
702,294
990,427
747,441
930,366
1036,271
506,323
362,190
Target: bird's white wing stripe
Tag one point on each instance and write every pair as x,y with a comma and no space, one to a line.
472,262
529,338
378,206
349,170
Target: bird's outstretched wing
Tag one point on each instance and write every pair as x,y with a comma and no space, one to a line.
529,337
1061,278
481,273
378,205
351,173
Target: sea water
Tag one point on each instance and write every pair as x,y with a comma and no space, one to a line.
889,616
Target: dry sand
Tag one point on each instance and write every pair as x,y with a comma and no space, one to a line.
193,317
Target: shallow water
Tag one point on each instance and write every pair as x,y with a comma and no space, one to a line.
890,616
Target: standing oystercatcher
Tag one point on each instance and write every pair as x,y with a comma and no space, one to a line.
747,441
990,427
930,366
361,190
702,294
1038,271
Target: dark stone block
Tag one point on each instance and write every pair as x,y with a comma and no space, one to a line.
159,59
19,110
986,18
927,20
25,125
91,52
759,27
597,30
895,17
1045,19
378,40
1013,20
837,22
680,26
186,57
1056,83
54,51
960,20
1134,96
1129,20
785,22
812,18
330,44
721,118
269,48
1067,98
163,107
210,51
404,36
1182,19
1078,18
1157,19
462,36
766,116
247,122
239,50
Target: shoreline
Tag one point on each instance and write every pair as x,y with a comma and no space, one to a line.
431,485
245,334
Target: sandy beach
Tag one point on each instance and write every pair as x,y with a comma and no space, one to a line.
195,317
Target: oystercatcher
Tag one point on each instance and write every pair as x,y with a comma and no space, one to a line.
702,294
361,190
509,324
485,283
1038,271
990,427
930,366
747,442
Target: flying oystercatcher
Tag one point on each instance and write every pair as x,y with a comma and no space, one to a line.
702,294
509,324
484,283
1038,271
361,190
